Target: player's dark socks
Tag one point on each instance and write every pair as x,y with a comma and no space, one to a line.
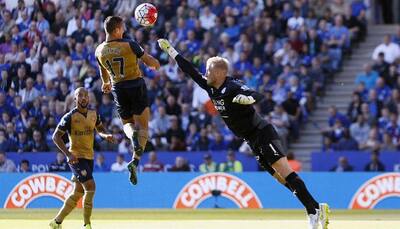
287,185
135,143
300,190
136,162
270,170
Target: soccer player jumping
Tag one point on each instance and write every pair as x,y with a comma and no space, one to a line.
118,60
79,124
234,101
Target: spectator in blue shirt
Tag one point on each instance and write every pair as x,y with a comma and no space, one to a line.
242,65
23,144
368,77
375,106
346,142
23,26
339,35
382,90
237,7
193,45
202,143
181,30
287,11
217,7
80,34
5,144
78,55
396,37
357,6
4,107
100,164
295,87
42,23
393,128
218,143
334,115
232,28
106,108
250,79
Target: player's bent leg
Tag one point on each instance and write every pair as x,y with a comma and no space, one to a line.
300,189
89,187
68,206
141,137
131,133
143,121
264,164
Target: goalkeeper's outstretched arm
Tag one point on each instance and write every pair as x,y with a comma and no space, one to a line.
183,64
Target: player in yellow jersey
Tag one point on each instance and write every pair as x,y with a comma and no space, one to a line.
79,124
118,60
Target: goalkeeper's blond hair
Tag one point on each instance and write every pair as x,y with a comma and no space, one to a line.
218,62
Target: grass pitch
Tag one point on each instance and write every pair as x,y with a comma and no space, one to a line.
199,219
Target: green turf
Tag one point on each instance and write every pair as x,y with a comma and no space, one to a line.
208,214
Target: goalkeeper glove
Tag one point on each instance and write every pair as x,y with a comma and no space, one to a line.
244,99
166,47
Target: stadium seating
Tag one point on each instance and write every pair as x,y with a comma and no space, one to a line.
288,50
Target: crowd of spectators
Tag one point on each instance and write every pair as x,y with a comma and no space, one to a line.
181,164
287,50
372,119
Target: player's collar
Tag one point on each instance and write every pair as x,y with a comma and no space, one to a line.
118,39
223,85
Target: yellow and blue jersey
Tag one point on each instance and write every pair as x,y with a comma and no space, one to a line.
80,128
120,59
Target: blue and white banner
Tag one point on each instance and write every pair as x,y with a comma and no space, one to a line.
194,190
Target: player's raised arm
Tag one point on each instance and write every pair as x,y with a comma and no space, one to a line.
147,59
247,96
105,78
150,61
183,64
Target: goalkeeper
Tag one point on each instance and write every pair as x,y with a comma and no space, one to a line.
234,101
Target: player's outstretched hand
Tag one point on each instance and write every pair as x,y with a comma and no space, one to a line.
166,47
106,88
164,44
244,99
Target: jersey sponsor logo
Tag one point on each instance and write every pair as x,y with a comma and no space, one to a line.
231,187
37,186
219,104
375,190
87,131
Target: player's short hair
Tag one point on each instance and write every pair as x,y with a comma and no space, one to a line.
76,92
111,23
218,62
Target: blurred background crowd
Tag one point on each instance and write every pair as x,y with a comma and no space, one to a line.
287,50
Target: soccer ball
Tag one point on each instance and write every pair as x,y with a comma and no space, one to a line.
146,14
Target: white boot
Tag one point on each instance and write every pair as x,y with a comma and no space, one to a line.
313,220
324,215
